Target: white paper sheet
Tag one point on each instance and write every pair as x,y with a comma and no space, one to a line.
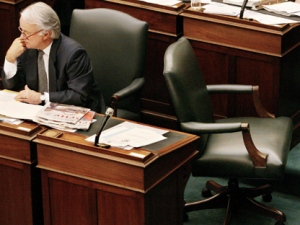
130,135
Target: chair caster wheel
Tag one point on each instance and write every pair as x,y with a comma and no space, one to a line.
267,197
206,193
279,223
185,217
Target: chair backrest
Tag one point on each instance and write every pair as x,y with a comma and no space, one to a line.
116,43
186,85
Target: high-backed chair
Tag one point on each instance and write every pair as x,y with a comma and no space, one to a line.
233,148
116,43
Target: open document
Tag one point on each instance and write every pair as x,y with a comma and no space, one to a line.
59,116
284,8
163,2
11,108
128,135
230,10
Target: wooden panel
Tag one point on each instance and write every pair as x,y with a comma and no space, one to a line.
13,206
65,197
118,209
20,186
71,203
266,76
20,194
8,26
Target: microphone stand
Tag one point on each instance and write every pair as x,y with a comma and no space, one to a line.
243,8
109,112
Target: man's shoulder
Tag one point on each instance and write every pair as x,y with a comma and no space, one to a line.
67,41
65,48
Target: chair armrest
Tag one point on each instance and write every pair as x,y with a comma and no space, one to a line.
258,158
229,89
135,86
210,128
242,89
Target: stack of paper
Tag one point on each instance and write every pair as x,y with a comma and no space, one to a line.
229,10
128,135
55,115
65,117
12,111
240,2
284,8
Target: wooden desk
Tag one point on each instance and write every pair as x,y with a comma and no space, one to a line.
231,50
83,184
165,27
20,186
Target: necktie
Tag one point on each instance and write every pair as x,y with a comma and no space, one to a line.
43,83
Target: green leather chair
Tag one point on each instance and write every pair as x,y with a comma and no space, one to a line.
233,148
116,43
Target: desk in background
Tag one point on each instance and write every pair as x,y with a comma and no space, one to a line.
83,184
20,186
231,50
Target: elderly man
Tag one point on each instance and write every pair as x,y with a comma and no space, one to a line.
47,65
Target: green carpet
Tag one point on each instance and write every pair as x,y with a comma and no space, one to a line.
285,198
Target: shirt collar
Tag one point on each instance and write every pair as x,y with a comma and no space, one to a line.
47,50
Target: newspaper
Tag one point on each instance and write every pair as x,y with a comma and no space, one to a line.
83,124
62,112
65,117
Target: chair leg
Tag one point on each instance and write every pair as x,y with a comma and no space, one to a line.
233,197
215,187
258,191
216,201
254,206
229,211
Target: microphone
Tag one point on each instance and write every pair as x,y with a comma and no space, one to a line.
109,112
243,8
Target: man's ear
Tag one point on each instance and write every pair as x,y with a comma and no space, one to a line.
47,34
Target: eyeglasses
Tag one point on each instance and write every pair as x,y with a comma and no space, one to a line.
27,36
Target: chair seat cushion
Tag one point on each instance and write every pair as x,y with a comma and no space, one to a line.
226,154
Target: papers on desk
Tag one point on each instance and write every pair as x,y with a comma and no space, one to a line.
267,19
240,2
130,135
229,10
58,116
284,8
221,9
163,2
64,117
11,108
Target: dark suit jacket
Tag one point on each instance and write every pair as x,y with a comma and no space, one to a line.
71,79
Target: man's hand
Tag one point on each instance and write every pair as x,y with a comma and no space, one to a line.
29,96
15,50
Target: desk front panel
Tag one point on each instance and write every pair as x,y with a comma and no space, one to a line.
76,201
20,184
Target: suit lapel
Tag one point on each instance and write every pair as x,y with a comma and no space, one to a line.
52,62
